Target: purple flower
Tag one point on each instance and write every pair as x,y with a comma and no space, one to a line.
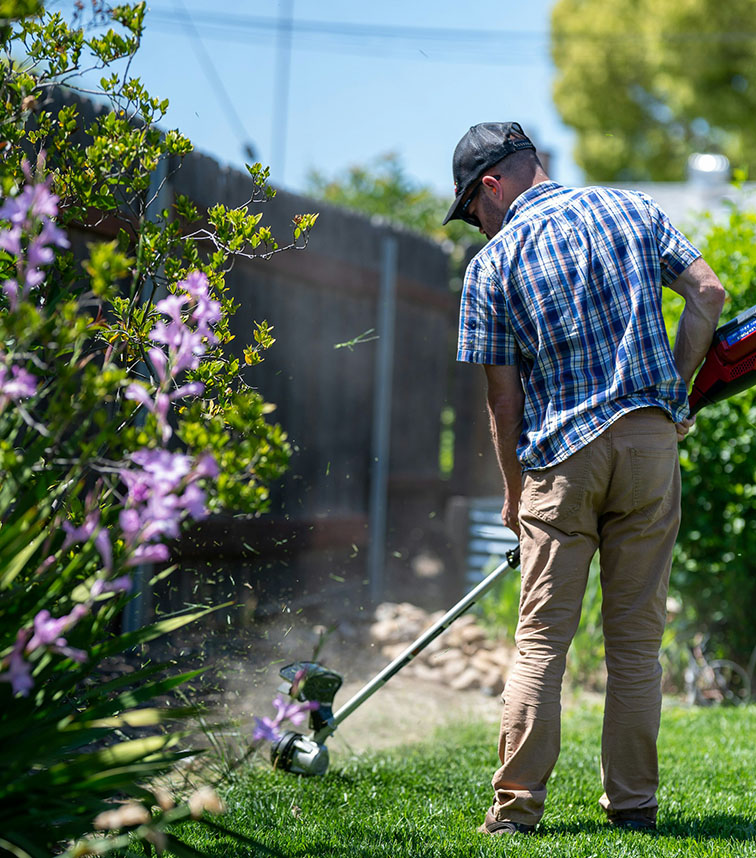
33,207
117,585
138,485
164,466
160,362
161,517
19,670
48,632
51,234
10,240
196,284
193,501
292,710
265,730
172,307
39,201
20,385
206,466
129,521
10,288
105,549
194,388
156,553
83,533
159,407
32,278
206,313
268,730
162,492
38,253
19,675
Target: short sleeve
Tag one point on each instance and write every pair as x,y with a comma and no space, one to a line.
676,253
485,330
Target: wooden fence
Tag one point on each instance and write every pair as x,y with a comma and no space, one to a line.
322,375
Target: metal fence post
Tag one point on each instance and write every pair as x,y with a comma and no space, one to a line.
381,432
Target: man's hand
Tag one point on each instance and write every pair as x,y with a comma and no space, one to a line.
684,427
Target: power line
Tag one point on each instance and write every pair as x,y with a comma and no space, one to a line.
452,36
337,37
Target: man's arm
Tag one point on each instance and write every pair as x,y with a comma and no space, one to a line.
506,401
704,298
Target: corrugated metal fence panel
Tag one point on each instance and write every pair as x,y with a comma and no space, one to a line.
487,539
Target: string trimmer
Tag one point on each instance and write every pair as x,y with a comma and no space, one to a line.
308,755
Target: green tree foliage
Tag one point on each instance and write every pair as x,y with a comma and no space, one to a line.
123,416
383,189
646,83
713,569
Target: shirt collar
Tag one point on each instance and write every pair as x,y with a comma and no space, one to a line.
530,197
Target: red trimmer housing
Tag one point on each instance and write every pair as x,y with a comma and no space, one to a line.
730,364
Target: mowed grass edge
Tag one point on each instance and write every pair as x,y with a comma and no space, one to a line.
427,800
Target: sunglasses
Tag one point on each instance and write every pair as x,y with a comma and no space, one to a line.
466,216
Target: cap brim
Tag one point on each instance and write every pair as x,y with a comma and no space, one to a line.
452,213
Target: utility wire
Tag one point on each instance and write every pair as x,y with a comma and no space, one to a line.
334,39
453,36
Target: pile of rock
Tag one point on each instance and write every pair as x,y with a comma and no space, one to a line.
463,657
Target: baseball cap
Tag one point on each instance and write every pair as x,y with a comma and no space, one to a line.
483,145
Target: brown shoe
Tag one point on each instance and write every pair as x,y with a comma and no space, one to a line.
492,825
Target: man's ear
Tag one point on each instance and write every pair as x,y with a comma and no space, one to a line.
492,184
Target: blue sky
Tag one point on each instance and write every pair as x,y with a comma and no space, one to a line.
365,79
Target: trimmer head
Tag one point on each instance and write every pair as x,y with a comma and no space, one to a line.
298,754
307,682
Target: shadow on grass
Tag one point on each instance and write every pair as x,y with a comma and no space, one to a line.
714,826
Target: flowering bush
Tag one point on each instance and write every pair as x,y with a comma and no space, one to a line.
122,418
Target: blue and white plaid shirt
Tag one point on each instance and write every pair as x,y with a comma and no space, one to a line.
570,292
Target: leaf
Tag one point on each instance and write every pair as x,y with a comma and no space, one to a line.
16,565
144,717
15,9
135,696
147,633
116,756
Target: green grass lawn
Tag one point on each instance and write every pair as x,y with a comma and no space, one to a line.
426,801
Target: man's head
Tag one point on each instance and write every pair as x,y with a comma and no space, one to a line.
493,163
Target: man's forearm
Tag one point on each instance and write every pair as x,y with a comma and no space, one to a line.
704,298
506,429
506,401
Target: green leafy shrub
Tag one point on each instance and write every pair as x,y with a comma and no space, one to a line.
123,417
713,568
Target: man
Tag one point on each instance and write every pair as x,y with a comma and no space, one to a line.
586,402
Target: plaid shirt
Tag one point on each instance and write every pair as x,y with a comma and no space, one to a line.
570,291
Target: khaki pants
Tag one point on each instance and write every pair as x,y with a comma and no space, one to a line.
619,494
